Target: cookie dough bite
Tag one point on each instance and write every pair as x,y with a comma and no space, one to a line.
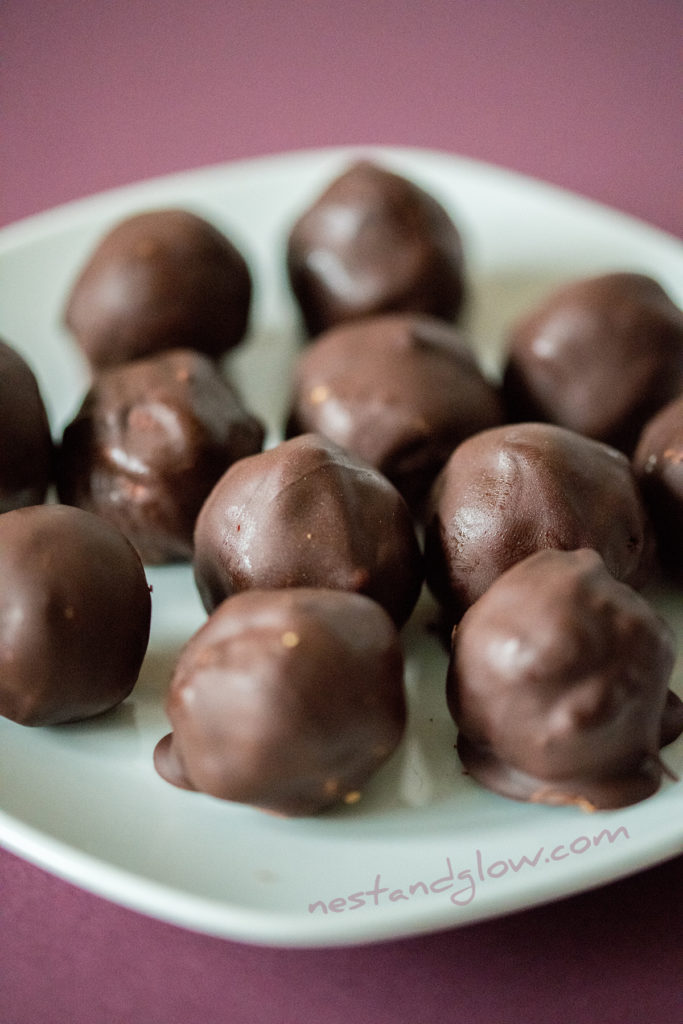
658,463
600,356
75,613
149,442
158,280
374,242
512,490
308,514
26,449
558,683
287,700
400,390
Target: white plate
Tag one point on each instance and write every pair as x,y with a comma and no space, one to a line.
426,848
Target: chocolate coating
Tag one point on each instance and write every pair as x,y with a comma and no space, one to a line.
149,442
287,700
400,391
307,514
374,242
558,684
160,279
74,615
26,451
658,464
600,356
513,490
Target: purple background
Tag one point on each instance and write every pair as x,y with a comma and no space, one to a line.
586,95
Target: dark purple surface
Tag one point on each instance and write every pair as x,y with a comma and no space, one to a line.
612,955
584,95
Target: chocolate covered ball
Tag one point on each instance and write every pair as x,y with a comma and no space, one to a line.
658,464
558,683
400,390
600,356
149,442
158,280
374,242
75,613
287,700
307,514
510,491
26,450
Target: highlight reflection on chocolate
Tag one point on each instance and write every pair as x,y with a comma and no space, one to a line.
287,700
558,683
308,514
601,355
374,242
26,450
513,490
400,390
150,440
75,612
158,280
658,464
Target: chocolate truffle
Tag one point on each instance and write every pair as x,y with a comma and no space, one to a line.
558,684
400,390
658,463
160,279
287,700
26,452
513,490
307,514
149,442
75,613
374,242
600,356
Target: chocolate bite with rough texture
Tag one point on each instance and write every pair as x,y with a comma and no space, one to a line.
149,442
158,280
558,682
658,464
510,491
26,450
600,356
75,613
400,390
287,700
374,242
307,514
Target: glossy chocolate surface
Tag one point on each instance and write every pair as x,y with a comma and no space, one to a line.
374,242
26,450
288,700
400,390
307,514
658,463
149,442
600,356
158,280
75,613
558,682
510,491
